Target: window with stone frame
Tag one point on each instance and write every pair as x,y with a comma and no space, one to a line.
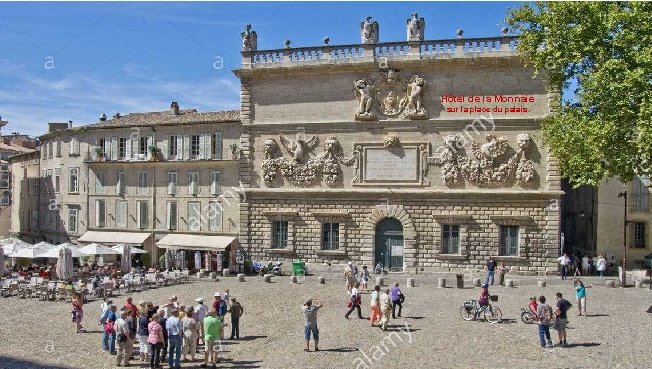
73,180
100,183
450,239
72,219
142,183
508,243
100,213
330,235
194,146
279,234
122,148
640,194
142,145
121,214
639,234
173,147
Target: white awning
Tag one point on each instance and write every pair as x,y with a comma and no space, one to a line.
133,238
195,242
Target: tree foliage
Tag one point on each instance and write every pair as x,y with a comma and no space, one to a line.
606,48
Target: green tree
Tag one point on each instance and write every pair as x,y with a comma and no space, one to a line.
605,50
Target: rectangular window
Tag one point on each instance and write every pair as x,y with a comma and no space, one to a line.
216,146
4,180
214,216
121,184
99,182
74,146
508,241
172,216
172,183
73,180
122,148
193,183
173,147
142,214
142,183
639,234
58,147
101,144
215,183
450,239
72,220
641,194
100,213
194,147
49,181
279,234
57,180
50,149
34,219
121,214
142,146
331,236
194,216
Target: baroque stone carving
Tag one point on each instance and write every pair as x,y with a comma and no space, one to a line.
299,170
390,141
390,95
415,28
484,170
369,31
249,39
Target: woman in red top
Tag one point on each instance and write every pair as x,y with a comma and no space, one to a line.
77,311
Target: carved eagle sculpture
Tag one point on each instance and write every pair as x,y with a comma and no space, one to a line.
369,31
494,147
299,148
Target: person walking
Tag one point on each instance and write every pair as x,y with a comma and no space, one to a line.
364,278
132,328
212,334
78,311
396,295
564,261
561,318
122,336
174,329
601,265
354,302
585,265
310,309
348,276
491,270
236,311
190,332
374,303
162,321
155,341
143,334
580,295
108,336
385,308
544,316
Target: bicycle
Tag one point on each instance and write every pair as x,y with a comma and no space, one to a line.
470,310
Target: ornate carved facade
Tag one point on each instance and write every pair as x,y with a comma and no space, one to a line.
390,96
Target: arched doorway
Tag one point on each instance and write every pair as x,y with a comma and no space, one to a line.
388,247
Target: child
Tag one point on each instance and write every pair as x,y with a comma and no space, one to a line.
364,278
77,312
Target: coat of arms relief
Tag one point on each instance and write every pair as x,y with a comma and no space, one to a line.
390,96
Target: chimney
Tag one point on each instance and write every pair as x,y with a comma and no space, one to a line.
70,124
174,108
116,115
103,117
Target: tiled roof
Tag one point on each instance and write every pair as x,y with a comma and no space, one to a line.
16,148
166,117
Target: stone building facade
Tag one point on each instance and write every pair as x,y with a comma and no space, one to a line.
421,155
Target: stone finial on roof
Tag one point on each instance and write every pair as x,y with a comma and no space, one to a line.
369,31
174,108
249,39
416,28
460,32
103,117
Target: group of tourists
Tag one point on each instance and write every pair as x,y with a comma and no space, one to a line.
573,265
169,331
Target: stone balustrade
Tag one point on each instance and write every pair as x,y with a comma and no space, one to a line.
428,49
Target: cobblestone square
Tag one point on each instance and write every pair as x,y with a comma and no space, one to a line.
37,334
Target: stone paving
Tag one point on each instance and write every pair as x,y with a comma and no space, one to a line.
36,334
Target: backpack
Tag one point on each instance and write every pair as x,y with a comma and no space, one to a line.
222,308
546,318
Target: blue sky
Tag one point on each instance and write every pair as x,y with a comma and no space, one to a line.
130,57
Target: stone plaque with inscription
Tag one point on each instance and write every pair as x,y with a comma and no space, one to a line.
391,165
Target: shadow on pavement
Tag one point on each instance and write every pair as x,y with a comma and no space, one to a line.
341,349
587,344
13,363
507,321
251,338
244,364
596,315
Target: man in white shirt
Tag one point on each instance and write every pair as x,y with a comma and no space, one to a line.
200,314
122,336
564,260
355,302
601,265
174,329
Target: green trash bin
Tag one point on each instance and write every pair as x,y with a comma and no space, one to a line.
298,267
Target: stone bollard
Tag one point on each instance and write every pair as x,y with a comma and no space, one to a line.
293,279
410,282
268,278
477,282
322,280
441,282
638,284
541,284
226,273
610,283
241,277
212,275
380,281
510,283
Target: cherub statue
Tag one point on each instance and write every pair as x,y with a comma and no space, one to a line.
369,31
415,96
415,28
299,148
365,98
249,39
